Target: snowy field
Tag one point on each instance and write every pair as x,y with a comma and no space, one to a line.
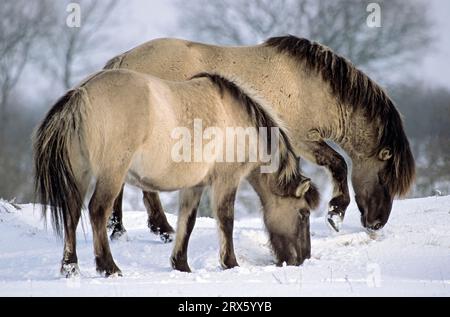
410,258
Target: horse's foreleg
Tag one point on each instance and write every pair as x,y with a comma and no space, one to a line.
323,155
189,202
305,235
223,204
115,223
157,221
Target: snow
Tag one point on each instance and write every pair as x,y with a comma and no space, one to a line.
410,258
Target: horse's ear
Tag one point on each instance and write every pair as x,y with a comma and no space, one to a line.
303,188
385,154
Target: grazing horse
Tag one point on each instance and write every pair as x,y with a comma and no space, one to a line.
321,96
117,126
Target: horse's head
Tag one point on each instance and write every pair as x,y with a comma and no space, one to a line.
372,194
284,206
287,220
378,179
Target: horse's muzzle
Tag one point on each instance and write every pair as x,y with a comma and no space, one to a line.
374,226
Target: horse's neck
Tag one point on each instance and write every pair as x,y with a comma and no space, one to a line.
258,68
360,136
260,183
301,98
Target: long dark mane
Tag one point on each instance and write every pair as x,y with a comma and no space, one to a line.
262,116
355,89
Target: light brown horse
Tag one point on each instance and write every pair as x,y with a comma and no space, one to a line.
321,96
117,127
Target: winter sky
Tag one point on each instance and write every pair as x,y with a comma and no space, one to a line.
137,21
157,18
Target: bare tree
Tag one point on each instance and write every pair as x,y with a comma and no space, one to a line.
426,111
22,25
73,49
34,36
340,24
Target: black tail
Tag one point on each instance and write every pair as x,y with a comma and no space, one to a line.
55,183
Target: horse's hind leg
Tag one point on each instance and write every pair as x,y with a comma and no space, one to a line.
223,204
69,263
189,202
100,207
115,223
157,221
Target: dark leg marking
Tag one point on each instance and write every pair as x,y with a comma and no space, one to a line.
225,216
179,260
189,202
99,207
115,223
157,221
335,163
69,263
305,235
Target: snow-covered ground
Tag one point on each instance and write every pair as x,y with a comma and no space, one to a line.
411,257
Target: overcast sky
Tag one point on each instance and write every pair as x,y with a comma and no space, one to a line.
157,18
436,66
138,21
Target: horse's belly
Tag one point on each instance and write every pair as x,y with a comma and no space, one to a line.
153,173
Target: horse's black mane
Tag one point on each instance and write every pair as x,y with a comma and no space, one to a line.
262,117
355,89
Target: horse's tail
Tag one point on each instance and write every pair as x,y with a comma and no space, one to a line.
55,182
262,115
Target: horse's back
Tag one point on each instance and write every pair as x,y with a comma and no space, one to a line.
170,59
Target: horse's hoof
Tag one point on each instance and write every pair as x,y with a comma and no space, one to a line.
114,275
166,237
70,270
229,264
180,265
112,223
113,272
154,229
107,267
335,221
119,235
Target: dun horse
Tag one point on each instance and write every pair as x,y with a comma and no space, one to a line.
116,127
321,96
